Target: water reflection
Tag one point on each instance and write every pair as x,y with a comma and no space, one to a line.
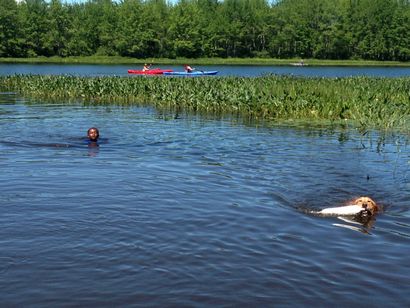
93,149
342,131
366,222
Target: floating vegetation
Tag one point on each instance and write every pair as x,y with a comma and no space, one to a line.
368,102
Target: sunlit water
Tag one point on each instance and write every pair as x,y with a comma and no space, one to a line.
223,70
179,210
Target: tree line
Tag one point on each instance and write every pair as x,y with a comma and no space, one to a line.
322,29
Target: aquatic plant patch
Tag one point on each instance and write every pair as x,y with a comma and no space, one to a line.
383,103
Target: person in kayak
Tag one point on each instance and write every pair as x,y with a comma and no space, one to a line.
146,67
188,68
93,134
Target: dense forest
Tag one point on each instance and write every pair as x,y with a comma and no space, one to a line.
322,29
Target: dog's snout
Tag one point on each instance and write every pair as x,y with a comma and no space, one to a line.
363,204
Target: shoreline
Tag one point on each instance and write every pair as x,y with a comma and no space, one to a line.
203,61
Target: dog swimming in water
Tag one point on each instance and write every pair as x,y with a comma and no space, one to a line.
361,211
362,206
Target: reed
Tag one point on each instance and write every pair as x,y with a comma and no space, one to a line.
366,102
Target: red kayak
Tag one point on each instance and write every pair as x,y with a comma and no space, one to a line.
154,71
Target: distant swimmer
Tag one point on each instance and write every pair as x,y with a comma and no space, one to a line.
93,134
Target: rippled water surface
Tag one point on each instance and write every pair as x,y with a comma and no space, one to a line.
228,70
179,210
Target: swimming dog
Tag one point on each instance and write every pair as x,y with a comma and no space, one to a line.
360,207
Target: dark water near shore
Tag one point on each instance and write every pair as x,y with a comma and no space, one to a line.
188,211
231,70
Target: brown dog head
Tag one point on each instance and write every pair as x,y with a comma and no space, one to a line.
367,204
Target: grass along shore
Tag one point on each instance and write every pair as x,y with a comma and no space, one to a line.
201,61
366,102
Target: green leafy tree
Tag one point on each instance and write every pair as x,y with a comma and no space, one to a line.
60,23
82,41
325,29
33,15
291,34
130,41
379,29
399,34
185,29
329,37
142,29
9,25
156,28
208,23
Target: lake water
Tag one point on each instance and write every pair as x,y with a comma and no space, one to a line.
181,210
233,70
